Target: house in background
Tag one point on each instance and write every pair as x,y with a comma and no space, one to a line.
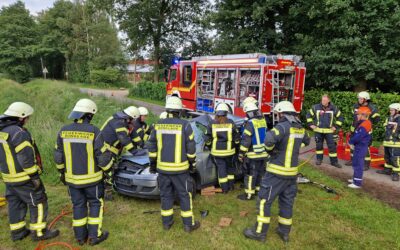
139,70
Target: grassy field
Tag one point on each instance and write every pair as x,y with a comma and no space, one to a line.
356,221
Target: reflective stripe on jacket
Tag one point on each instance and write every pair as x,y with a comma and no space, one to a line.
82,154
17,155
171,144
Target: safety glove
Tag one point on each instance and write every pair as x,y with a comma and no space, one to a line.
192,167
153,167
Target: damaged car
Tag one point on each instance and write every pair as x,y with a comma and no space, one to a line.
133,177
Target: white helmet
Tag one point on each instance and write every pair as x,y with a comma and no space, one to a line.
249,99
163,115
83,106
284,106
143,111
250,106
222,109
395,106
364,94
132,112
173,103
19,109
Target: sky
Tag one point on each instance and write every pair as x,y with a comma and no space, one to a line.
34,6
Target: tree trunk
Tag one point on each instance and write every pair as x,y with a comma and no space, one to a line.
362,85
156,60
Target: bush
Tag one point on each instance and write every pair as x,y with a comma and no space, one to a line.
108,77
154,91
345,101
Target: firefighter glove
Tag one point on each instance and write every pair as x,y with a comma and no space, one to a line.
241,158
37,183
153,167
192,167
62,178
108,178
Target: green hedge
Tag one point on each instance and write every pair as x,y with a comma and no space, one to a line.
151,90
345,101
108,77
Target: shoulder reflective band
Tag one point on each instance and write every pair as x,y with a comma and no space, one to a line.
106,122
4,136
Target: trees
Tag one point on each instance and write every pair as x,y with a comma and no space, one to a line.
18,40
345,43
158,24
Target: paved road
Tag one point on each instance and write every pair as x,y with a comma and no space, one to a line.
122,95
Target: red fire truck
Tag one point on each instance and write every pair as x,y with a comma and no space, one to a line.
205,81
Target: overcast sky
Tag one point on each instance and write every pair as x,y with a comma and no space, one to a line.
33,6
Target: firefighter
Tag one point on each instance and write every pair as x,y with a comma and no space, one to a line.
364,100
116,135
325,119
20,172
223,136
283,143
253,149
81,157
359,142
172,152
141,128
392,143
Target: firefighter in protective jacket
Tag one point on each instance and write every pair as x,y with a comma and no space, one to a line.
141,130
392,143
117,136
325,119
82,157
172,152
252,152
20,172
223,136
364,100
283,142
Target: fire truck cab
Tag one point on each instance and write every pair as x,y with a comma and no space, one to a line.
204,82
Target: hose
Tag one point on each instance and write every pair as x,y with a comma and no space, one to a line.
41,245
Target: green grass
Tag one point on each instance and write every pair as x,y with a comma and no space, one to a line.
161,103
356,221
100,86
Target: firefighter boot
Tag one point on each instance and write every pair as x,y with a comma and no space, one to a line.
336,165
48,234
98,240
318,162
283,236
168,227
245,197
366,165
21,237
386,171
349,163
251,234
191,228
395,176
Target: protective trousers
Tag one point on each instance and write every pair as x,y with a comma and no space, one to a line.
181,185
367,157
83,199
273,186
226,172
360,151
319,141
252,180
392,159
19,199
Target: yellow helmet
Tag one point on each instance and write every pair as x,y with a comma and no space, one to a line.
163,115
132,111
395,106
173,103
249,99
222,109
284,106
19,109
364,94
143,111
83,106
250,106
